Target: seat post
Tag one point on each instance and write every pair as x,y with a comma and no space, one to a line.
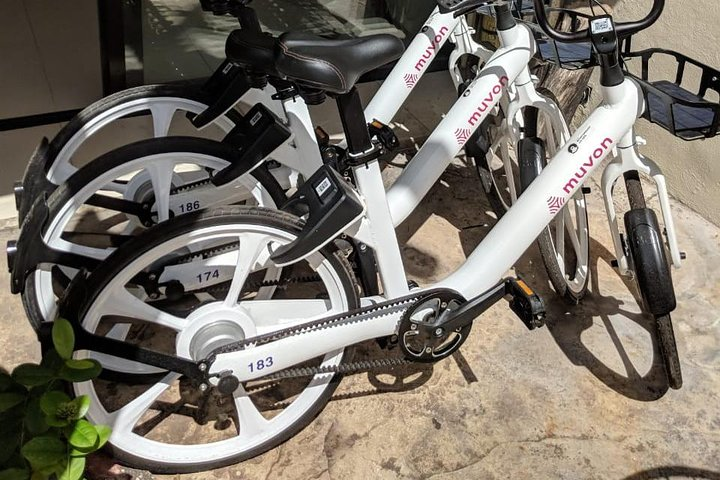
248,19
354,123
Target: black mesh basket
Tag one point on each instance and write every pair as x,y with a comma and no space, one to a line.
570,56
684,111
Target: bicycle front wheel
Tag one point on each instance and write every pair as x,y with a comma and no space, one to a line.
649,263
668,351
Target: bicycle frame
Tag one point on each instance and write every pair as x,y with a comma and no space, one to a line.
506,242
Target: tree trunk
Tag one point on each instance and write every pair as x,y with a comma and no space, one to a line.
568,86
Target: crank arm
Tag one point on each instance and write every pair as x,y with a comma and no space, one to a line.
526,304
452,320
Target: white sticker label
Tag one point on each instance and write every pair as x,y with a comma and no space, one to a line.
256,118
323,186
602,25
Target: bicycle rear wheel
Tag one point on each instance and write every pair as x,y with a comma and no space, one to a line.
88,216
163,104
173,427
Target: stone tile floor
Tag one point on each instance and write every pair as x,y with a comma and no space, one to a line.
584,397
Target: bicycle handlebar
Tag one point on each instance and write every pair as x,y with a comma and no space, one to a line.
623,29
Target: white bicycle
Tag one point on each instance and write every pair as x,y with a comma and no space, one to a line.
261,357
139,185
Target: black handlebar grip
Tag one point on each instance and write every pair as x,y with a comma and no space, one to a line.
628,28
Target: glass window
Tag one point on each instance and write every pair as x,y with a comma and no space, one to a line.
176,40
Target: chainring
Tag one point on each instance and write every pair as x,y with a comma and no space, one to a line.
420,334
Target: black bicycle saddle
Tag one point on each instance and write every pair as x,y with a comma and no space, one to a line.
333,65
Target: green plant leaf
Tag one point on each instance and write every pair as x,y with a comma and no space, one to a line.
32,375
10,399
51,469
63,338
74,469
35,418
51,401
58,408
51,360
15,474
103,432
43,452
80,370
83,405
6,381
10,431
82,435
39,476
103,435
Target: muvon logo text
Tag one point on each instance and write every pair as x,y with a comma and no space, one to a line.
488,101
434,44
580,174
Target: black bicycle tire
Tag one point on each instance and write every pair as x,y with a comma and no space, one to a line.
119,156
114,264
669,351
70,129
665,334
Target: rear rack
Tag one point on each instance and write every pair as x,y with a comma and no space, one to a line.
671,104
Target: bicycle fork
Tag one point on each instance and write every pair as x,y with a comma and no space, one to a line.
626,159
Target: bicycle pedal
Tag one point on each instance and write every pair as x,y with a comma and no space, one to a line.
586,190
323,138
526,304
384,134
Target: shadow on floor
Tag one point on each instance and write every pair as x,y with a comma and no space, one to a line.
670,472
566,323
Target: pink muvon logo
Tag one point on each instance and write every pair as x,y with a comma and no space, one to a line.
430,51
488,101
598,154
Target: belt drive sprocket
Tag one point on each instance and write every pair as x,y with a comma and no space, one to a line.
421,335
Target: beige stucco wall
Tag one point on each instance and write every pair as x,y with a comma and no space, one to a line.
691,27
